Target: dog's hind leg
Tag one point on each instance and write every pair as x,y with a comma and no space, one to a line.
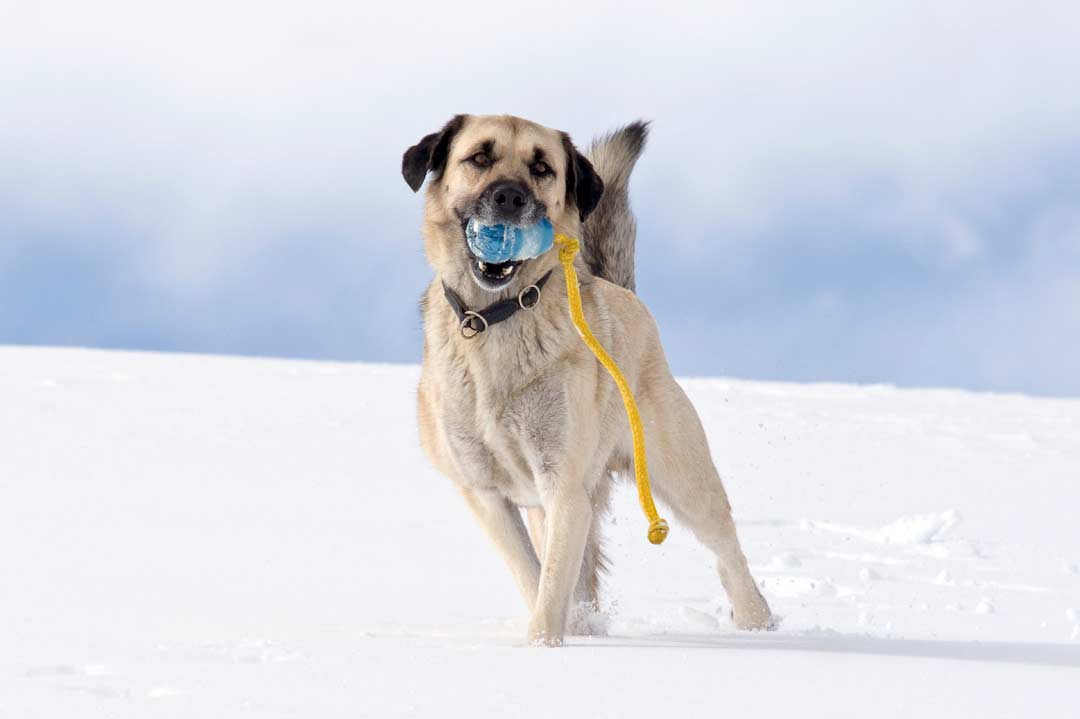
594,564
586,618
535,517
685,479
502,522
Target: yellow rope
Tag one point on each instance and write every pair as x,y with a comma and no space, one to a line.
568,247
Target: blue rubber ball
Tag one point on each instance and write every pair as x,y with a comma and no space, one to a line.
503,243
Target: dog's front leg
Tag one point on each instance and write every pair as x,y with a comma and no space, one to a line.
569,515
502,522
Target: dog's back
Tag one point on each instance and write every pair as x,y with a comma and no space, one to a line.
610,231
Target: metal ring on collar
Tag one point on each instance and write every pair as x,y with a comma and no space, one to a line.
526,293
468,331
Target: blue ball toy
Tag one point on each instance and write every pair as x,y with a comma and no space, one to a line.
503,243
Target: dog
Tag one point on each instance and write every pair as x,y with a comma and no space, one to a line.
512,406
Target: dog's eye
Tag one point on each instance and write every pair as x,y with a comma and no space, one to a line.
539,169
481,159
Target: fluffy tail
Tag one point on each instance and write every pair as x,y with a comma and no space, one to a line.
607,242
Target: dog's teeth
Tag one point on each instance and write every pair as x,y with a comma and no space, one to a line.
505,270
482,265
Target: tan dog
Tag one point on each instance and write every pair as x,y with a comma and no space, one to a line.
520,414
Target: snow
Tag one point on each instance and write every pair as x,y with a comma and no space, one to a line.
189,536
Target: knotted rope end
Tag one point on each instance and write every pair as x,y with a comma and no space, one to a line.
658,531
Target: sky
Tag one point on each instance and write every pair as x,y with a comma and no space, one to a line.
880,192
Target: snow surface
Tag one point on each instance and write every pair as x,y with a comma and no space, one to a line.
191,536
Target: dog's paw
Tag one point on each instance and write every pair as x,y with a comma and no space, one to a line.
543,639
545,633
757,620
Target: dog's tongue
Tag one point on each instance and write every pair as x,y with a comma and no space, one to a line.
504,243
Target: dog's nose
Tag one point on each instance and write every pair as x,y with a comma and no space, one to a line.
510,199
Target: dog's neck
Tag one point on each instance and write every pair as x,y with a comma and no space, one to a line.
476,298
520,346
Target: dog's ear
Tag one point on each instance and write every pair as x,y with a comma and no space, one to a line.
429,155
583,186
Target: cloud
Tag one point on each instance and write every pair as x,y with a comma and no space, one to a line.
228,172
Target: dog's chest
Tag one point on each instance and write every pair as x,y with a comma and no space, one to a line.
506,438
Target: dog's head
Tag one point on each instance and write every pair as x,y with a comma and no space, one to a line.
497,170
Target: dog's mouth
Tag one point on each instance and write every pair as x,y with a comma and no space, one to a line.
494,276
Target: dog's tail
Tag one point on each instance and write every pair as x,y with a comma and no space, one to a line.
611,230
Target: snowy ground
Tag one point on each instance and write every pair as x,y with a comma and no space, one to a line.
209,537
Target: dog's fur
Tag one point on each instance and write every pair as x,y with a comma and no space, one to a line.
523,416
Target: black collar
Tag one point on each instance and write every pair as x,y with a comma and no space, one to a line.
475,322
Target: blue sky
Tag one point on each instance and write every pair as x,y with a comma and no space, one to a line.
848,193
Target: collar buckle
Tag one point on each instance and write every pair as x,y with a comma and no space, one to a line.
529,297
469,325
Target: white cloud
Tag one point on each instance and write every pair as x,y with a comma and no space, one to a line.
756,104
209,136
